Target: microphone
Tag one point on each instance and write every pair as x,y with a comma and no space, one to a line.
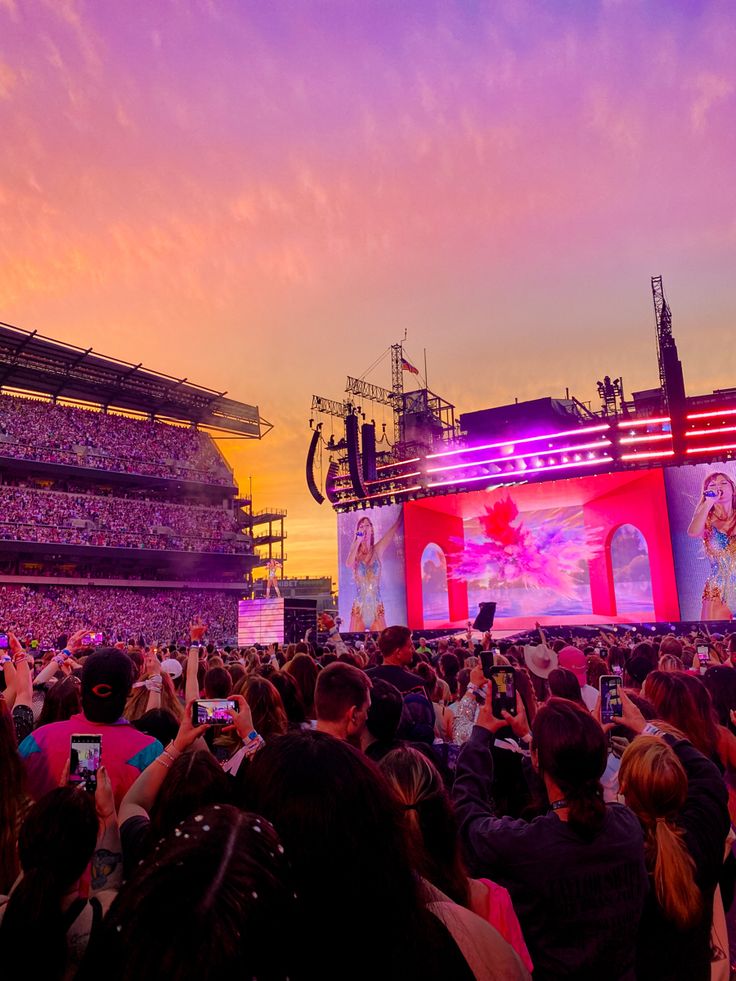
710,493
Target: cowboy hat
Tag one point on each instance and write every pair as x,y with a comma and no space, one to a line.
540,660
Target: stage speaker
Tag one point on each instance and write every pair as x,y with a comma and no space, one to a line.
351,435
311,482
331,483
368,441
486,616
300,615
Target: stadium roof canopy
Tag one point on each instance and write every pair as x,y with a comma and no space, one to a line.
30,362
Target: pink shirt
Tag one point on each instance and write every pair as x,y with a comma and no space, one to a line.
126,752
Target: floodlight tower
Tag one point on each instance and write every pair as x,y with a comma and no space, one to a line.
671,379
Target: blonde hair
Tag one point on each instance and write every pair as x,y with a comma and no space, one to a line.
135,707
654,782
670,662
430,824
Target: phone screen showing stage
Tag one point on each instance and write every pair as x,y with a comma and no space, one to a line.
84,762
503,691
611,703
212,711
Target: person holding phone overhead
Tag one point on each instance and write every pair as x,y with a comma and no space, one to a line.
60,835
107,678
576,874
714,520
364,561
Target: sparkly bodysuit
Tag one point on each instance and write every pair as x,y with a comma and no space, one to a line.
721,583
367,612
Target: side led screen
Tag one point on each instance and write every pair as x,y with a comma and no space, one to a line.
702,501
371,568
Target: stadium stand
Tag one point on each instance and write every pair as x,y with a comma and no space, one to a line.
109,472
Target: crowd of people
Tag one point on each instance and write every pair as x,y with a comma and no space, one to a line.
53,433
366,811
41,614
33,515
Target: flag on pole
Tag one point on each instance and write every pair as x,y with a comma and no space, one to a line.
408,366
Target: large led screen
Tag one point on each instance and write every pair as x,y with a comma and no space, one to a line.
703,524
372,593
585,550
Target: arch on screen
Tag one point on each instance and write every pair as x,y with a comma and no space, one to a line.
631,571
435,593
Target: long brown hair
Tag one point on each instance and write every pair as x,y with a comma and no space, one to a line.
571,750
654,783
266,706
304,672
731,526
684,702
135,707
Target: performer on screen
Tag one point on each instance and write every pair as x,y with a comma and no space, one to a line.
714,520
364,561
272,566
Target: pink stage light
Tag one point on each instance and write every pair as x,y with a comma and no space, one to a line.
712,415
644,439
495,477
647,456
517,456
630,423
711,449
527,439
711,432
372,497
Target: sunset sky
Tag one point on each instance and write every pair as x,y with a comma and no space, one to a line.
263,196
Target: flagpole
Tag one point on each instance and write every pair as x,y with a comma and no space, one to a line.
426,383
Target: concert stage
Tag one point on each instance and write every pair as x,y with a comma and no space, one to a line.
278,620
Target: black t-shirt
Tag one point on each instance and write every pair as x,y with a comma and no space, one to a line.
404,680
135,838
579,901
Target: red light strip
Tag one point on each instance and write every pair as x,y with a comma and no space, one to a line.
712,415
630,423
647,456
711,432
526,439
711,449
401,463
644,439
398,476
519,456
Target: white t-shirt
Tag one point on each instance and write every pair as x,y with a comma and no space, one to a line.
590,696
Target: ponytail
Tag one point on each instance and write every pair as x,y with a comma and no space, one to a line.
587,810
655,785
674,875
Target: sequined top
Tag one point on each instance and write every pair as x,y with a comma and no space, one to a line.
721,552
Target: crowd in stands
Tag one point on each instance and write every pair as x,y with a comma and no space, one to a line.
34,430
42,614
28,514
365,811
